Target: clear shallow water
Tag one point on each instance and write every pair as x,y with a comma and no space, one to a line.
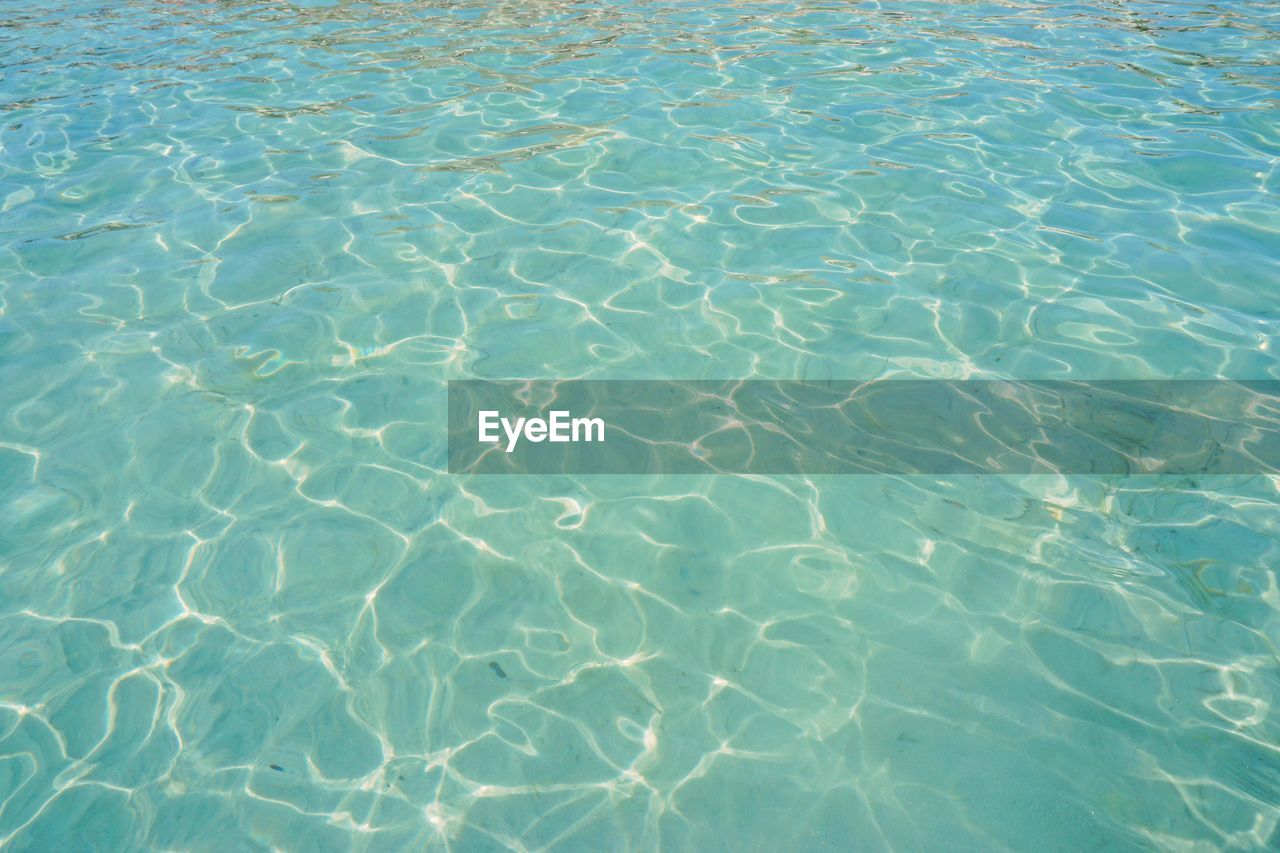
244,246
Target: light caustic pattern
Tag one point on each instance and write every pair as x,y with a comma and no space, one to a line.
244,244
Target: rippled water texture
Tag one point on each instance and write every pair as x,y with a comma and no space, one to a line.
244,245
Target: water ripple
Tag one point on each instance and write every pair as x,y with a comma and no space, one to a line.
244,244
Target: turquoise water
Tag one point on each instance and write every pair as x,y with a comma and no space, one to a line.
244,245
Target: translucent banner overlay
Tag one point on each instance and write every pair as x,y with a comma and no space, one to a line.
934,427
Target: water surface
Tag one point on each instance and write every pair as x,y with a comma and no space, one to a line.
244,245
